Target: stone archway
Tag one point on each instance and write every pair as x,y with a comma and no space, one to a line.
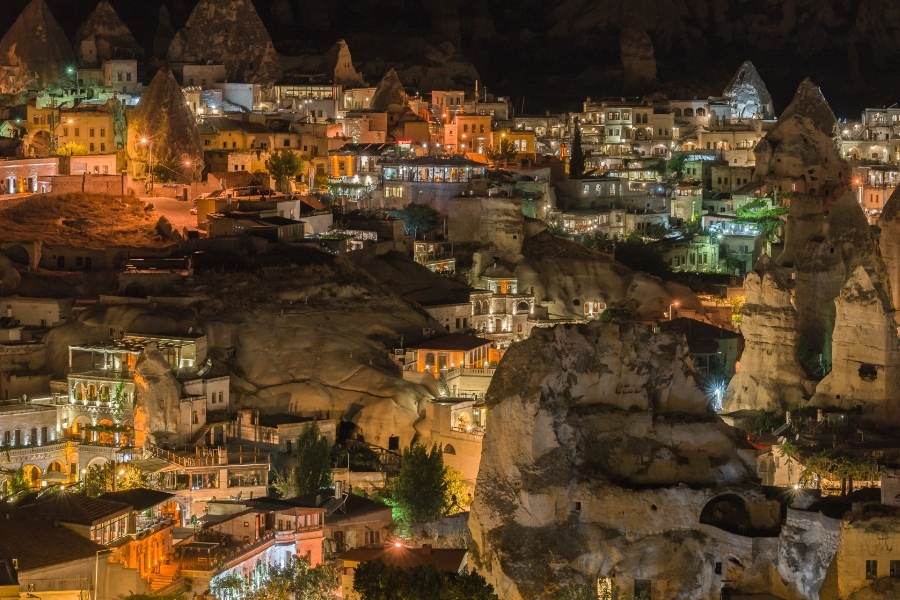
32,475
728,512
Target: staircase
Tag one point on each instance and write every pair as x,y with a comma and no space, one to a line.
167,575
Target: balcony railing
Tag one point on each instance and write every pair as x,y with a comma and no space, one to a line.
57,584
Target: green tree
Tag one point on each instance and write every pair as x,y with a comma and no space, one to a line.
99,479
640,256
576,158
374,580
297,580
503,152
14,482
310,466
420,489
418,219
283,166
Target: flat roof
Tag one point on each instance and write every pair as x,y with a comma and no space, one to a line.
453,341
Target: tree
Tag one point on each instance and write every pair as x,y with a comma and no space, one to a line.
576,159
420,490
640,256
457,496
72,149
297,580
99,479
503,152
374,580
283,166
417,218
14,482
310,469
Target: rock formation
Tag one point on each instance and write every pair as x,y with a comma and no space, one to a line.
164,33
390,95
230,33
748,95
769,377
889,245
600,459
819,321
565,276
339,64
103,36
35,50
157,399
164,118
638,59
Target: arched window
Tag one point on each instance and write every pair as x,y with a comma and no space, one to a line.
448,449
676,112
522,307
701,112
689,112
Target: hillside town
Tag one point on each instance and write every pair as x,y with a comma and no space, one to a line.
276,326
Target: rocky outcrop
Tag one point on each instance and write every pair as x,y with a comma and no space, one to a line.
390,95
889,245
601,458
769,376
565,276
799,154
164,119
829,304
157,399
638,59
339,65
865,351
35,49
230,33
103,36
748,95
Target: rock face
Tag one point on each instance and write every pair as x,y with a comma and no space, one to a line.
104,36
595,434
799,154
889,244
390,95
157,399
819,321
230,33
36,48
638,58
748,95
770,377
164,118
339,64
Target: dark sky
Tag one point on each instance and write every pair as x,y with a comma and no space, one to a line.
556,52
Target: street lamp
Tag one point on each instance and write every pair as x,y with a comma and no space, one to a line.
145,141
675,304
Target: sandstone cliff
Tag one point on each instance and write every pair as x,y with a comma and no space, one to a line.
103,36
748,94
600,459
37,48
230,33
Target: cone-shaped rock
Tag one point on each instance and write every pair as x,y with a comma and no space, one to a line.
339,63
230,33
389,93
37,46
104,36
163,117
638,58
810,103
889,242
748,95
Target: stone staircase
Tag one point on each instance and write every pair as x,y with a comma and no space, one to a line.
167,575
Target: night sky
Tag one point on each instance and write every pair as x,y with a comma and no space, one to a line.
554,53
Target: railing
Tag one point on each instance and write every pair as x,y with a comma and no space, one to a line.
223,555
474,371
476,431
56,584
203,460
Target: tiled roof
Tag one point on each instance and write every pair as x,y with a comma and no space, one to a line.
75,508
138,498
39,542
454,341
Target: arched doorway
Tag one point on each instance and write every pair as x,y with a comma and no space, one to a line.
728,512
32,475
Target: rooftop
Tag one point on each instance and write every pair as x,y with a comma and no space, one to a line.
454,341
75,508
138,498
39,542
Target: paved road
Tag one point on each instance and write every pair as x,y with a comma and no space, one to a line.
178,212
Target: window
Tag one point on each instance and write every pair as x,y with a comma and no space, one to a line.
642,588
92,146
102,146
77,132
718,568
43,439
65,131
118,75
102,132
895,568
871,569
128,76
287,142
91,132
